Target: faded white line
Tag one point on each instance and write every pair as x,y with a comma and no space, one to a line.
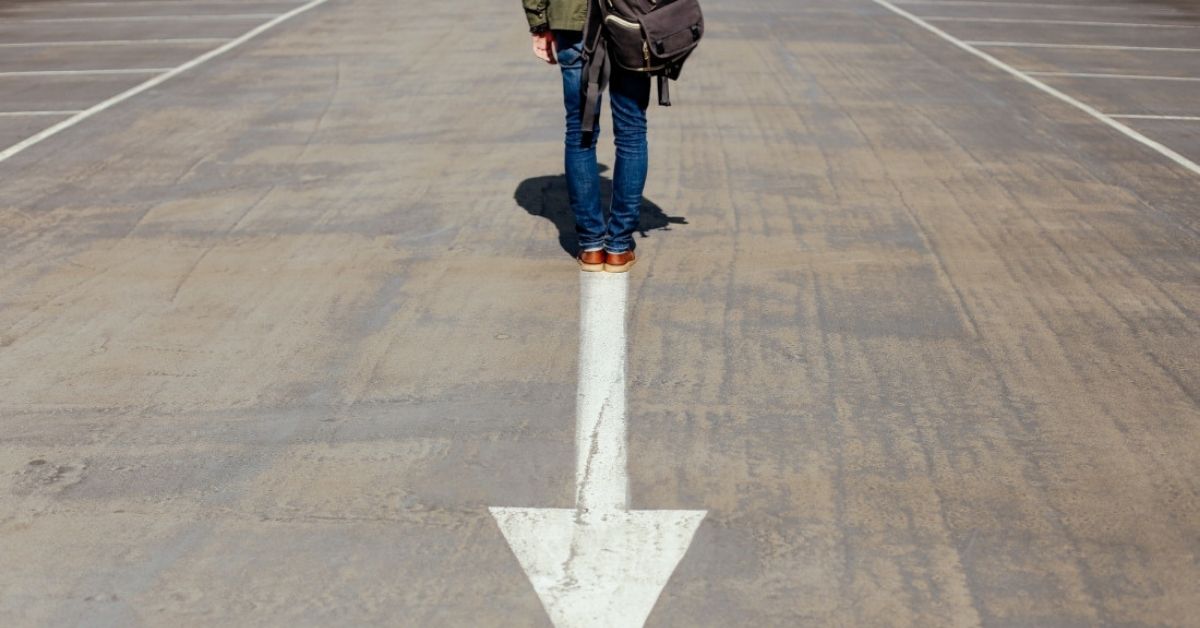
1030,44
84,72
1017,20
1101,75
1141,116
157,80
141,18
1180,160
45,112
1031,5
599,564
114,42
125,3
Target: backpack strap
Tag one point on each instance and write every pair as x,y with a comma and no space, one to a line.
595,69
664,91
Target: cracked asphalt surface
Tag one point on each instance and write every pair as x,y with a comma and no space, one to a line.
921,340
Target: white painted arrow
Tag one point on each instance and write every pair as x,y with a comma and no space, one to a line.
599,565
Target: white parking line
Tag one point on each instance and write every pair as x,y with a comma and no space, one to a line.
38,113
82,72
1030,44
37,7
114,42
1017,20
1138,116
157,80
140,18
1136,77
1180,160
1031,5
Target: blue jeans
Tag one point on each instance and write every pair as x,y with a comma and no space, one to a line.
629,93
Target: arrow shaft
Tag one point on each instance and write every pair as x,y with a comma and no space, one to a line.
601,465
599,565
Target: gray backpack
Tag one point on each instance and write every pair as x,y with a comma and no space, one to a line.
651,36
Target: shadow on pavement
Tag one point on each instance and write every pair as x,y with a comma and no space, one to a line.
547,197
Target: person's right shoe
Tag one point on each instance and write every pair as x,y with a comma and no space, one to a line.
591,261
619,262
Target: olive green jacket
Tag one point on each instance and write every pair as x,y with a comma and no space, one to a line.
561,15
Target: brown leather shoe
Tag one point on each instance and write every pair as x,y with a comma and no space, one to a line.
619,262
591,261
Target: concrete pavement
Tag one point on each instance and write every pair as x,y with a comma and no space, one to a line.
921,339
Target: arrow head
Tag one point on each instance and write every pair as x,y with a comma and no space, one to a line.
598,569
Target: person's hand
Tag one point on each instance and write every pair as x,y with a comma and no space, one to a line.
543,47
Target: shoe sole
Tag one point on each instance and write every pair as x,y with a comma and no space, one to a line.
619,268
591,268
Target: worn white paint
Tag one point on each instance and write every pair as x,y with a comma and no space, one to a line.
603,570
83,72
599,565
1021,20
1102,75
1038,44
1158,147
128,3
84,43
143,18
1029,5
155,81
44,112
1142,116
601,480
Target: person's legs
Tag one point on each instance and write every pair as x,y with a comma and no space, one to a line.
629,95
583,175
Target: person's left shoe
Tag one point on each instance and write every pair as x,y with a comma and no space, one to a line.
619,262
591,261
